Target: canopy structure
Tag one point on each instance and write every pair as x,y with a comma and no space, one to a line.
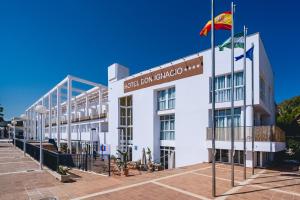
74,107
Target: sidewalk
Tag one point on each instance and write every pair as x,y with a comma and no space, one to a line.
20,178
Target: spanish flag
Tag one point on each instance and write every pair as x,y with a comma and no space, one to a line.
222,21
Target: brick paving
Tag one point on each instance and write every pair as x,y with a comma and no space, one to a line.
20,178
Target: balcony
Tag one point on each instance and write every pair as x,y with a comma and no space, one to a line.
261,134
81,119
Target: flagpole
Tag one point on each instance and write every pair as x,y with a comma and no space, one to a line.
244,131
232,94
213,97
252,103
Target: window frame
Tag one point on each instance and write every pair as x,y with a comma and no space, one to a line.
223,88
126,118
169,95
167,127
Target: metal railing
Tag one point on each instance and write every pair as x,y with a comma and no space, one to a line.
81,119
261,134
89,162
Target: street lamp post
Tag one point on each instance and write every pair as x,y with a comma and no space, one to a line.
14,123
24,119
40,109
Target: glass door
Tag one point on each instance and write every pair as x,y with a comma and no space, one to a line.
167,157
258,159
239,157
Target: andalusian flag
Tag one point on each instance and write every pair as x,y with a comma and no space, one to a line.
222,21
238,42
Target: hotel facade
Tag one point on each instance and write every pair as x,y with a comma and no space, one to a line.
168,110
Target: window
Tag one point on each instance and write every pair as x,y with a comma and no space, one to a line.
167,127
222,155
166,99
171,99
167,155
239,157
125,123
162,100
262,88
270,97
223,88
223,117
239,86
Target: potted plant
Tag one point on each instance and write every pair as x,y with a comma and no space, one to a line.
63,172
123,162
150,166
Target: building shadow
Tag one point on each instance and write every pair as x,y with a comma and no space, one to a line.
259,190
275,181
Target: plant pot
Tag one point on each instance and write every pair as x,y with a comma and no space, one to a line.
126,171
64,178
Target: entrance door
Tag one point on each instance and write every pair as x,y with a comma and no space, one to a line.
224,155
258,159
239,157
167,157
130,153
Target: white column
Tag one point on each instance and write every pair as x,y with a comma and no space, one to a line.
250,116
36,125
29,124
26,126
58,116
32,123
249,124
86,105
50,115
100,102
69,97
99,114
41,141
42,121
75,108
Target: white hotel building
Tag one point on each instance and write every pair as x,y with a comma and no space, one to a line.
168,110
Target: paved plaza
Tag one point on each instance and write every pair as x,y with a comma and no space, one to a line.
20,178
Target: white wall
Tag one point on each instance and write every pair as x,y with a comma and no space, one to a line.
191,110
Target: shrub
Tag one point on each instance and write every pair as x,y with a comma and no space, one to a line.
63,170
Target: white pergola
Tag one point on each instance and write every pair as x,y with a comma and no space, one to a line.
69,104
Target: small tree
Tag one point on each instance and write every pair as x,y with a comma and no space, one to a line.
122,163
288,116
149,163
294,148
124,159
149,155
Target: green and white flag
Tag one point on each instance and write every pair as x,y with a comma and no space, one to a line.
238,42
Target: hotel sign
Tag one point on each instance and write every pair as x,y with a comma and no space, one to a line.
177,71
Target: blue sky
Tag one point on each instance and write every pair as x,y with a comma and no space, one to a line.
43,41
